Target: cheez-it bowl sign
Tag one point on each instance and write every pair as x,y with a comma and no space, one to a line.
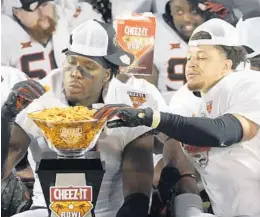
71,201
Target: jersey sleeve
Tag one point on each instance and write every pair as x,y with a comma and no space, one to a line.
83,12
120,7
10,76
6,39
184,103
244,99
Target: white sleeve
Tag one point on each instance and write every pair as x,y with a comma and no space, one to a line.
184,103
86,12
6,41
244,100
120,7
10,76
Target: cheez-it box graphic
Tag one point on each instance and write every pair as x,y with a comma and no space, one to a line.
71,201
136,35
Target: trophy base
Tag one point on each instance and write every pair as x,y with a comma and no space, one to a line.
61,178
71,153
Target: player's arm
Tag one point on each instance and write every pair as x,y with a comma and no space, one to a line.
18,145
177,178
137,173
22,94
197,131
174,156
250,128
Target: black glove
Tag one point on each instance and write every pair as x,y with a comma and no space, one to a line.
129,116
22,94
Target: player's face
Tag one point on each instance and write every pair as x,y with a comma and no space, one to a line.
185,17
206,65
84,79
40,16
41,22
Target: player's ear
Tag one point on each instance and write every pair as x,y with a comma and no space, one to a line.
107,75
227,66
17,12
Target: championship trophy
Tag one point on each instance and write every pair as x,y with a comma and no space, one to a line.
71,174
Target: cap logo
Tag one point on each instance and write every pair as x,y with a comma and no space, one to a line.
34,5
125,59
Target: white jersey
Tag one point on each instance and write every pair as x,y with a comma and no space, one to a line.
19,50
184,102
111,147
169,56
9,77
121,7
231,175
159,6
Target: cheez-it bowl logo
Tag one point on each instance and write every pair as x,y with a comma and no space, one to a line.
71,135
71,201
138,99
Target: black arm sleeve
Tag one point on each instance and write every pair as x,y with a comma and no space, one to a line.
198,131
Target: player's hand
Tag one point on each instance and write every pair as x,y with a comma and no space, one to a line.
22,94
128,116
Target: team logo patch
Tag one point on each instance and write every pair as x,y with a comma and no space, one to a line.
175,46
200,155
71,201
138,99
125,59
34,5
26,44
209,106
77,12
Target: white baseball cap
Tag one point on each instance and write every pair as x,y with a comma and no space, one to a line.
93,38
221,32
248,28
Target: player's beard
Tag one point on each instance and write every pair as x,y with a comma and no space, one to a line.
195,86
42,35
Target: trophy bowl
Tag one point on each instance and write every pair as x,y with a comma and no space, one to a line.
67,137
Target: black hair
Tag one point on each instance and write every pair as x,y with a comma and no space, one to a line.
255,62
235,53
114,69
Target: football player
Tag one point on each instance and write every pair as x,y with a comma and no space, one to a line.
249,33
39,32
33,37
87,78
223,140
173,30
15,195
